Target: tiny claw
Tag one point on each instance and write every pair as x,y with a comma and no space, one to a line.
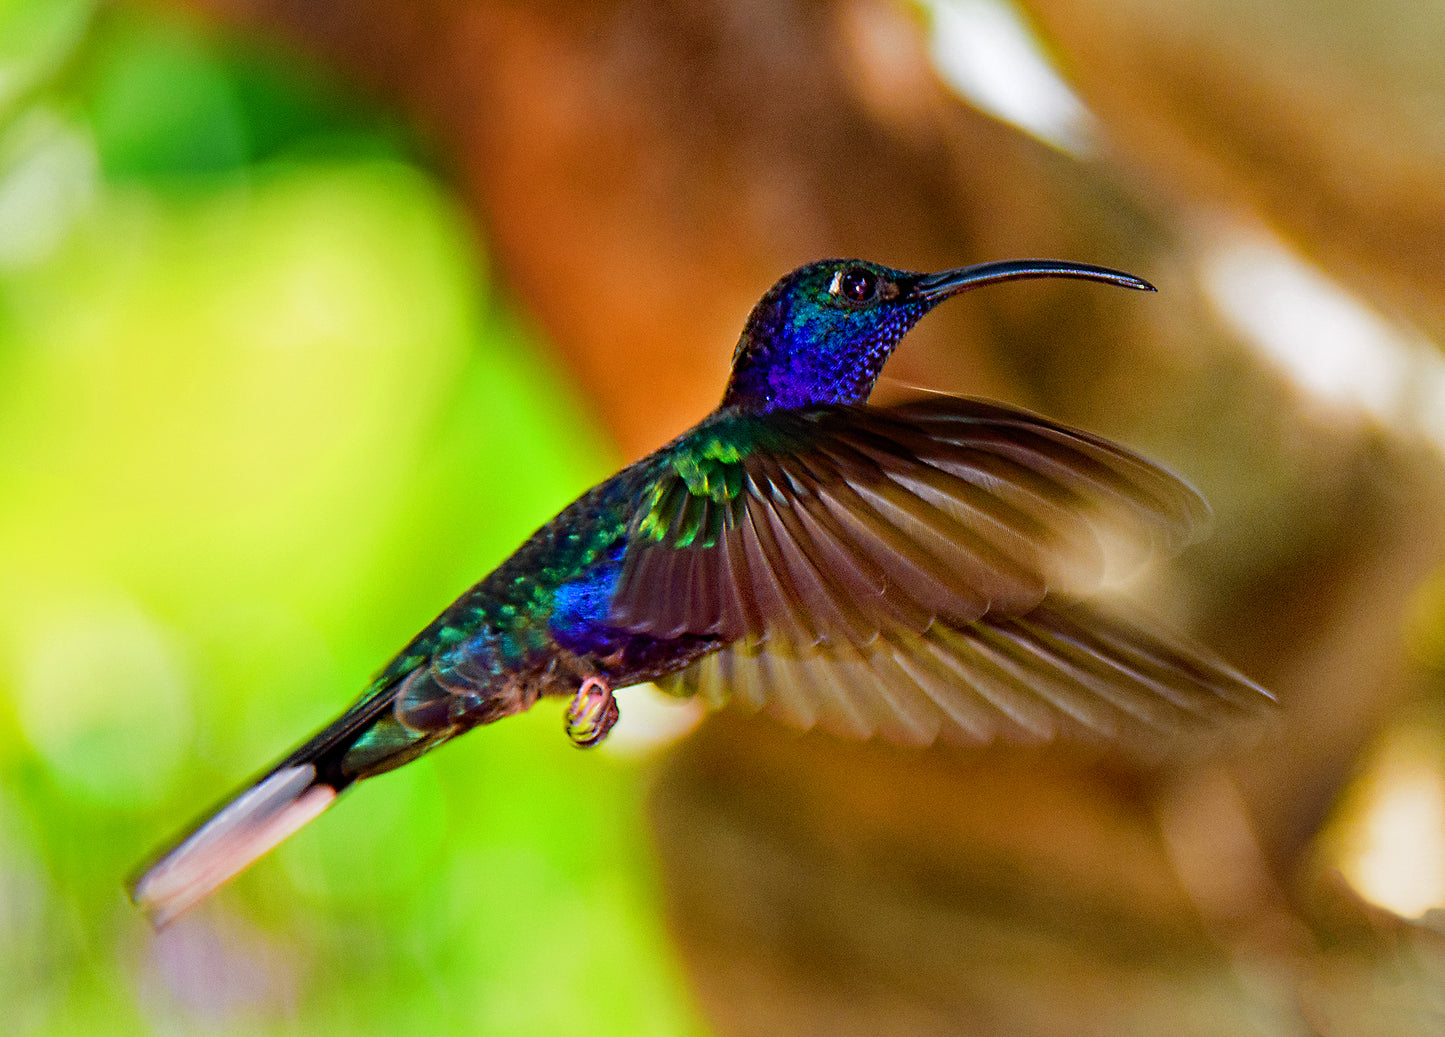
591,713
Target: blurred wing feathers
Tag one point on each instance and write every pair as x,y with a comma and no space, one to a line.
1062,670
833,523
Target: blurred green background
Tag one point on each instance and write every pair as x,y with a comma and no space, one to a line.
260,418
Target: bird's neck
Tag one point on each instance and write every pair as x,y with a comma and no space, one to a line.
766,378
796,357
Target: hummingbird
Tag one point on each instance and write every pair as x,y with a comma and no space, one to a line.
916,572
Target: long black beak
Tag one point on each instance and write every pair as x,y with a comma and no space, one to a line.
933,287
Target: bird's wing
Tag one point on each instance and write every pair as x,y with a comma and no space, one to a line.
1060,670
836,523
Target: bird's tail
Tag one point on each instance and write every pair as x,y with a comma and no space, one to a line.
367,739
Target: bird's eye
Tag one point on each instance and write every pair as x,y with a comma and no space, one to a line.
855,284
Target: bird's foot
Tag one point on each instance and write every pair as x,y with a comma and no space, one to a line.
591,713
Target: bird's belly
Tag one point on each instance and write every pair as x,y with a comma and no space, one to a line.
579,626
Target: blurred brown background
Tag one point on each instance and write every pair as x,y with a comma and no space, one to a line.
641,172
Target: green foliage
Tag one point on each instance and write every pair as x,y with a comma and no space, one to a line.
258,423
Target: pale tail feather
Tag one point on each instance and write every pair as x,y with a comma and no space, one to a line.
365,740
243,830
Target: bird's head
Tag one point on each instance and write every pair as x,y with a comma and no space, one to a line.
823,333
